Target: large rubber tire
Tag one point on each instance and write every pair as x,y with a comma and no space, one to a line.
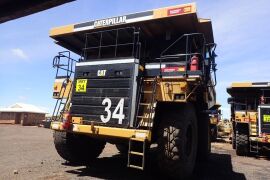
242,143
177,141
77,149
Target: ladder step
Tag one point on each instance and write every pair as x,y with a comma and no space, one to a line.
145,104
60,65
136,153
136,167
147,92
148,80
141,117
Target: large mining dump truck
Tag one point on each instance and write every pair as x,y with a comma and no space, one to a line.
250,115
141,79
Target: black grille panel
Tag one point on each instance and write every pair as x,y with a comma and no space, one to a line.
115,84
105,92
85,100
93,110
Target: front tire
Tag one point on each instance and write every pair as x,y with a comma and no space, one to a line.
78,149
177,141
242,145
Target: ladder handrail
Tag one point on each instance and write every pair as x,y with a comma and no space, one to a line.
69,63
178,39
211,50
57,109
153,98
150,109
139,98
57,106
188,52
61,100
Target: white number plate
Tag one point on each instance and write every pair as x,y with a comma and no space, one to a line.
118,113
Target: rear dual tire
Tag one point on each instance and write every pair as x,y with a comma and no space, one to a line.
242,144
77,149
242,139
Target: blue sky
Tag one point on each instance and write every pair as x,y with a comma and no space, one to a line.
241,29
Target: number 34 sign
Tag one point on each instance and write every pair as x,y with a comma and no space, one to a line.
81,85
118,112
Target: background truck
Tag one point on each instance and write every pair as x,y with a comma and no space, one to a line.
215,116
144,78
250,115
224,128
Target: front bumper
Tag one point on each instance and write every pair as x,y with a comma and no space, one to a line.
105,131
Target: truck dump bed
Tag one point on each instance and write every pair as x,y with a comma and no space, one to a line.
155,23
249,90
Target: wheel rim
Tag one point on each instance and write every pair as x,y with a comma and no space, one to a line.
189,139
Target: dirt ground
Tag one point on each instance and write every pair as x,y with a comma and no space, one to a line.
28,153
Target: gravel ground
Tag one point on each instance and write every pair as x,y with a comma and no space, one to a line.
28,153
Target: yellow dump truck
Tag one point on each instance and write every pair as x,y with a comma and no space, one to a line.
142,78
250,115
224,128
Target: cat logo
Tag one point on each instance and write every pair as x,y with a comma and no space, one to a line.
101,72
110,21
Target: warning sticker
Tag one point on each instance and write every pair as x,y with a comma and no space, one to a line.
81,85
266,118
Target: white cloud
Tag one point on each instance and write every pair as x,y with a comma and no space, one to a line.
19,53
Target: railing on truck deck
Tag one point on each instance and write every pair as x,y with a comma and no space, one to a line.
195,45
64,62
265,96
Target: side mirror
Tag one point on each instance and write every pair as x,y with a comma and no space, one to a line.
230,100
